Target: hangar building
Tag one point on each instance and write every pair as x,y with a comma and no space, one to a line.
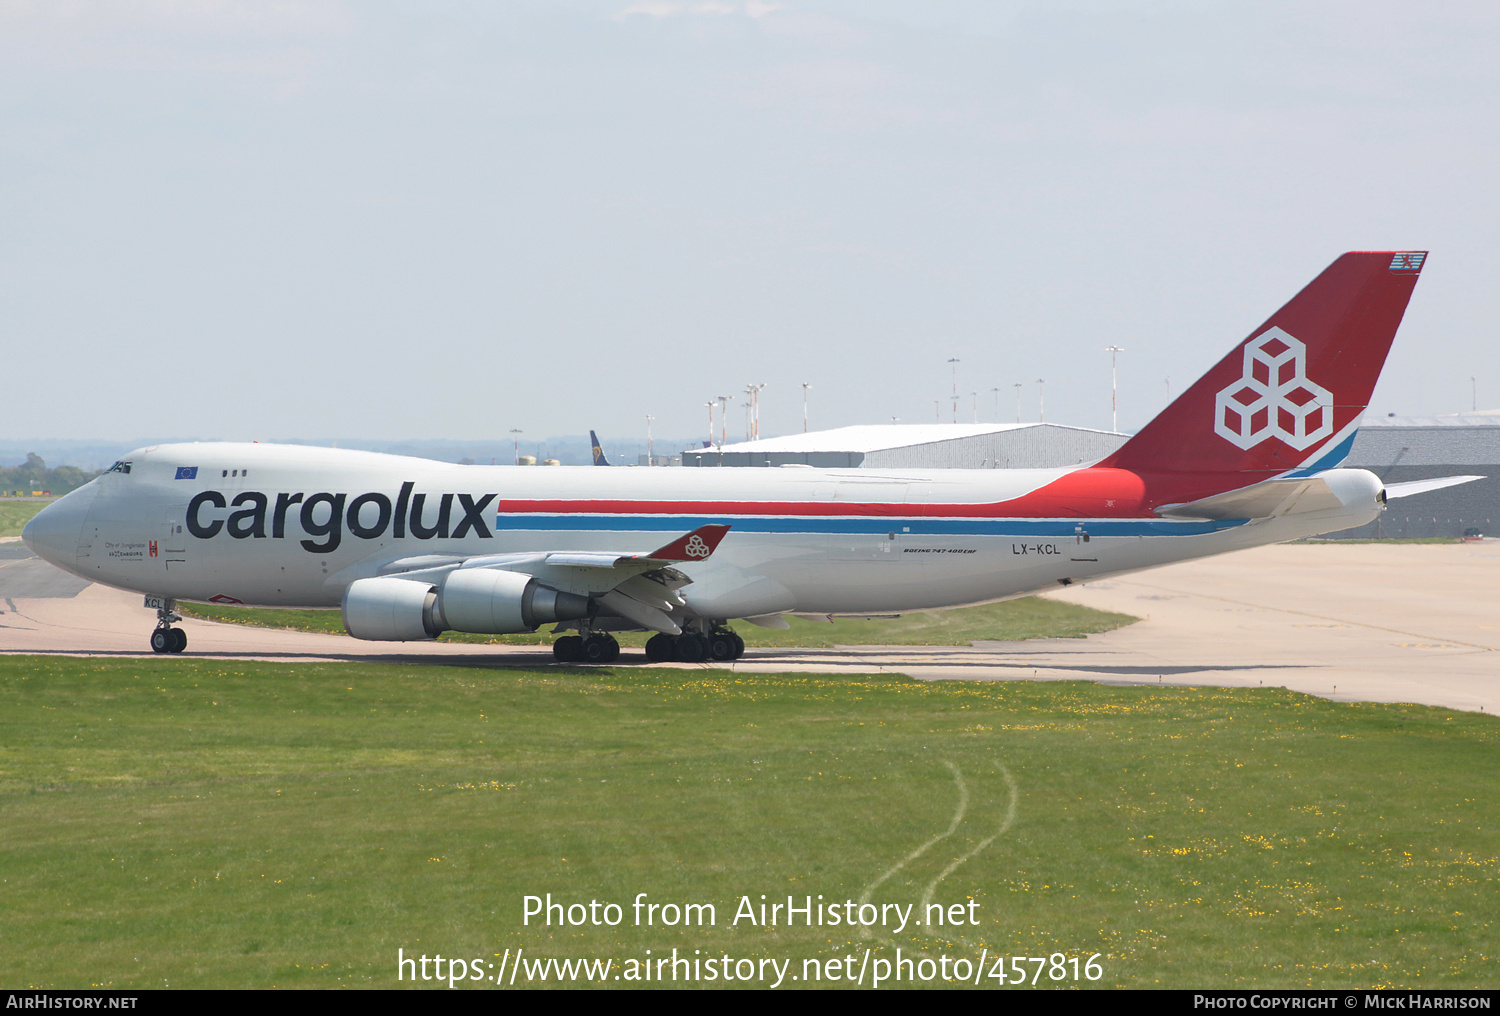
1399,449
921,446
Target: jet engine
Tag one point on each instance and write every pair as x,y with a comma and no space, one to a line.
484,600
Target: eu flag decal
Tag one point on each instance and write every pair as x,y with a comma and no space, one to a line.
186,473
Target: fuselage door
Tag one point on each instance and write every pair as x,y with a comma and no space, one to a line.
1083,548
171,548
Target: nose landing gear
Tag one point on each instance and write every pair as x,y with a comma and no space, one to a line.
166,639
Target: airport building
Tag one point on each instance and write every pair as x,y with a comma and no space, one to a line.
1401,449
1397,449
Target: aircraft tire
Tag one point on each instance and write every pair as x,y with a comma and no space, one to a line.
660,648
691,649
721,645
179,640
161,641
739,645
568,649
596,649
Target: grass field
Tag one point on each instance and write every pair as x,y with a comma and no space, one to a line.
172,822
1029,618
15,514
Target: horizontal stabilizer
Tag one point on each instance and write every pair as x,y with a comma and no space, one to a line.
1258,501
1423,486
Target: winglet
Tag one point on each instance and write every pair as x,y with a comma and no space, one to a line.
695,546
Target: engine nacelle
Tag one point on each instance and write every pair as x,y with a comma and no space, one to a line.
392,610
483,600
492,601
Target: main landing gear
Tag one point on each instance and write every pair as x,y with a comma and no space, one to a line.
720,643
599,647
166,639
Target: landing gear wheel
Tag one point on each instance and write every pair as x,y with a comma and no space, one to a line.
739,645
600,648
660,648
568,649
691,648
721,645
166,639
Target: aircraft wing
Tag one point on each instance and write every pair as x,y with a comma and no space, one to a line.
639,586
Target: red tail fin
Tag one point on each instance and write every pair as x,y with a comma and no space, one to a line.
1291,395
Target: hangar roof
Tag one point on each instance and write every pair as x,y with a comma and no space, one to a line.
880,436
1483,418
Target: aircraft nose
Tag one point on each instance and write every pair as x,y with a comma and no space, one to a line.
54,532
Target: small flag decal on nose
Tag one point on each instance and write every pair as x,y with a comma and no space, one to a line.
186,473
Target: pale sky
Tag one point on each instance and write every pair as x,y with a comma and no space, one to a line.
443,220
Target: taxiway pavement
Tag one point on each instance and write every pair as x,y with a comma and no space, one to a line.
1357,622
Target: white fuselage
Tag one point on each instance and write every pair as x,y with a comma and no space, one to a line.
232,522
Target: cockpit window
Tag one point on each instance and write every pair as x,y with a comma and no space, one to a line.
119,467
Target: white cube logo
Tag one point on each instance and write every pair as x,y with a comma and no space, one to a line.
1273,397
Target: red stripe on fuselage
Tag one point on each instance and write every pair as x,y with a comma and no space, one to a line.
1092,493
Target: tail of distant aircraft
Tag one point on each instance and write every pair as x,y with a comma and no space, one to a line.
1289,398
599,459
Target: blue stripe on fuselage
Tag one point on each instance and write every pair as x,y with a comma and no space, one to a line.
1329,460
870,526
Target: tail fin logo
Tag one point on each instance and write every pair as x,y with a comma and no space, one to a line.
1274,397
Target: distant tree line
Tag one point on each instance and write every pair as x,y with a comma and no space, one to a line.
33,474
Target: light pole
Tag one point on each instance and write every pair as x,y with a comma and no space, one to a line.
997,404
1114,403
723,401
937,410
805,387
710,425
974,401
650,449
1041,400
1018,387
953,362
515,443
